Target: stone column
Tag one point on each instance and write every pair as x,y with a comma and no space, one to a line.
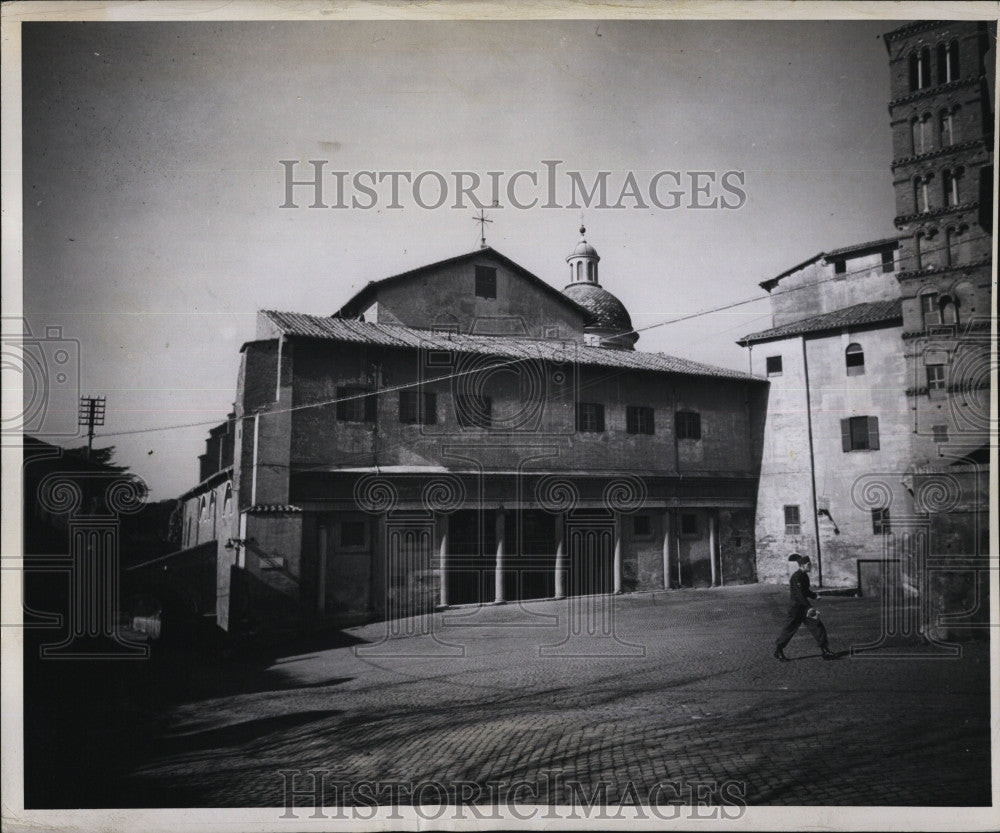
561,555
501,534
441,524
618,553
666,549
711,546
321,581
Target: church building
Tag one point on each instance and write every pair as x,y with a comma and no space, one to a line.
466,433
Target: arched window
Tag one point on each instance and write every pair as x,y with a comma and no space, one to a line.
946,129
942,63
592,271
930,311
949,311
579,269
854,358
964,294
948,62
920,64
227,501
963,244
211,506
949,186
202,508
924,68
921,197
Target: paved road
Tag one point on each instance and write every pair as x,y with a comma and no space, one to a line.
684,691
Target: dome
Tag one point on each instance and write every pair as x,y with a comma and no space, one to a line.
583,248
609,313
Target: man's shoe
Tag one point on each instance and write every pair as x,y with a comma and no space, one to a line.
779,655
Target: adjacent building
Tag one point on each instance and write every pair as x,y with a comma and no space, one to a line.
876,451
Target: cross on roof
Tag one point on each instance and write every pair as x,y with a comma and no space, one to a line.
482,220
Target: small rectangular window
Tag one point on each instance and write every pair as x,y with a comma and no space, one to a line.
888,262
773,365
881,524
688,425
840,267
486,282
689,524
940,433
417,409
590,417
642,526
936,378
355,404
639,419
352,533
474,411
859,433
793,521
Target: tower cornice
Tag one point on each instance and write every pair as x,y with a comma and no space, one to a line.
934,154
937,90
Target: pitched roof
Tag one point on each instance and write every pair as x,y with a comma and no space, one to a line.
364,298
503,347
873,312
770,283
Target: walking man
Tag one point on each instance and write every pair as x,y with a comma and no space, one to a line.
801,611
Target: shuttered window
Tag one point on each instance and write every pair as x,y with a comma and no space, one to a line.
354,405
859,433
639,419
410,410
590,417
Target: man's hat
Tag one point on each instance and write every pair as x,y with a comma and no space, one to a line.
801,559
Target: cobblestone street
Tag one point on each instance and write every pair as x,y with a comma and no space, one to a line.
685,691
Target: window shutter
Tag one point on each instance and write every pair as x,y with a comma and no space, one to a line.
599,417
430,409
370,408
631,420
873,433
845,434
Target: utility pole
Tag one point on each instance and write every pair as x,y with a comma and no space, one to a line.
91,414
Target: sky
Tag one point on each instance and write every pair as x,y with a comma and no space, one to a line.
152,180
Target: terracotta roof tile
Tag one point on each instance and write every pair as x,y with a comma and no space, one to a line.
503,347
875,312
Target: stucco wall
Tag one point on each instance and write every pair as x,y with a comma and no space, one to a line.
816,288
447,296
846,482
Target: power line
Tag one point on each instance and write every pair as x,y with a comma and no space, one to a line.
408,385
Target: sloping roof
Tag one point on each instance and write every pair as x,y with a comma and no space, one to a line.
874,312
503,347
770,283
366,296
